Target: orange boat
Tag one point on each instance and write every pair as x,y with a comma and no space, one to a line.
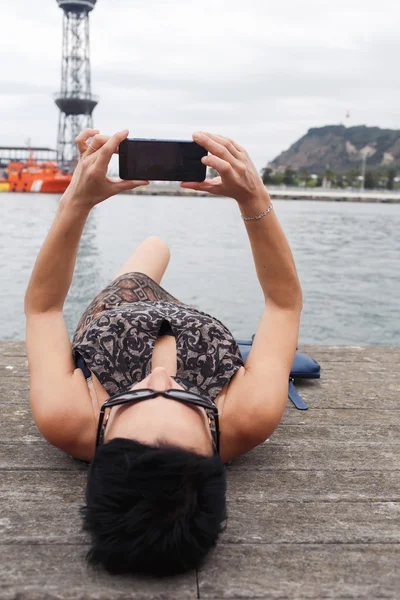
32,176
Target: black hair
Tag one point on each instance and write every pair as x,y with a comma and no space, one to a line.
152,509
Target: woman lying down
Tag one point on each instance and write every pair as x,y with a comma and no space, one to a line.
153,393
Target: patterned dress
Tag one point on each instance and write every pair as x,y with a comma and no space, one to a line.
117,333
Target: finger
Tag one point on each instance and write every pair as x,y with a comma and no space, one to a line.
124,186
82,138
215,148
199,186
237,146
208,185
228,143
222,166
105,153
97,142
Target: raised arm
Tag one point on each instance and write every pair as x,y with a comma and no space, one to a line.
52,274
257,396
58,392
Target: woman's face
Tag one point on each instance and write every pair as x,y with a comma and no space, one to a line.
161,418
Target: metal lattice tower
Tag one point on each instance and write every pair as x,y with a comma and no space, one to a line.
75,99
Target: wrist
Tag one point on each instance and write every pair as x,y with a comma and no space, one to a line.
255,204
72,203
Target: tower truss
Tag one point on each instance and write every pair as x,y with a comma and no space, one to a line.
75,99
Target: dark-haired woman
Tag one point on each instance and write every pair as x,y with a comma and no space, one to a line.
153,393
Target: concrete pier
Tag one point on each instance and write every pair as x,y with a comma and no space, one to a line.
313,513
173,188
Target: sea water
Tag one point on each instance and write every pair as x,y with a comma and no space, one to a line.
347,256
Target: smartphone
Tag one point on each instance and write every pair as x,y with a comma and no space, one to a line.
162,160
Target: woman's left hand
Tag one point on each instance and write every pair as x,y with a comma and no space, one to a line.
90,184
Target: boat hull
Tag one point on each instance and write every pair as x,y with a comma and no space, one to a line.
45,178
40,186
4,186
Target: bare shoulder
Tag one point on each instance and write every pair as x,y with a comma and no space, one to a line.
60,399
65,417
230,407
253,403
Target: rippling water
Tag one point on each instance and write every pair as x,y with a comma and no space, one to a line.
347,256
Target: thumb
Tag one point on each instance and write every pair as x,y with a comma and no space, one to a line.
193,185
124,186
199,186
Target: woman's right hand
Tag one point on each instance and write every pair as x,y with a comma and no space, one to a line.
238,176
90,184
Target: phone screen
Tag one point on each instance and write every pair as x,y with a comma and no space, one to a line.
164,160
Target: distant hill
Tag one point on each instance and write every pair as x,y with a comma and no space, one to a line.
339,148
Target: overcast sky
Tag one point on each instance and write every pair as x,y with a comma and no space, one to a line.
260,71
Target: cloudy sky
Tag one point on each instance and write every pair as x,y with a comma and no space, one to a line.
260,71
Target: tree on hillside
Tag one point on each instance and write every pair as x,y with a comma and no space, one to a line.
390,179
304,176
329,178
289,176
370,181
340,180
351,175
267,175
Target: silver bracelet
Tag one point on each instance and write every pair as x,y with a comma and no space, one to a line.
258,216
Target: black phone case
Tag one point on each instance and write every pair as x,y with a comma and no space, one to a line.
188,168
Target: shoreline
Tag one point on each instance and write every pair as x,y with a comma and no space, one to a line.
321,195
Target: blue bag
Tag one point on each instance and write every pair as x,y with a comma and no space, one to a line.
304,367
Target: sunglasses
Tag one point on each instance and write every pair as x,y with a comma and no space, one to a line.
183,396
